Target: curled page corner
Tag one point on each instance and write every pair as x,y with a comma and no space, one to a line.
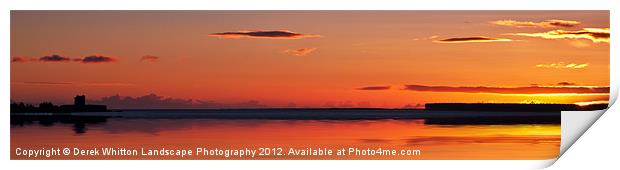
574,124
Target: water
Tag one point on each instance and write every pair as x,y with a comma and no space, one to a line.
191,129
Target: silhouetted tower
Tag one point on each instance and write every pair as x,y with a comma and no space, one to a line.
80,101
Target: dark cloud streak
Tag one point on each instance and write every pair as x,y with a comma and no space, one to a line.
509,90
97,59
282,34
47,83
154,101
477,39
54,58
57,59
20,60
374,88
149,58
566,84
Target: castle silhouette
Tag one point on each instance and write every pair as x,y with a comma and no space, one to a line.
79,105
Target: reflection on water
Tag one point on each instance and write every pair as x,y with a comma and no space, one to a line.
481,141
79,124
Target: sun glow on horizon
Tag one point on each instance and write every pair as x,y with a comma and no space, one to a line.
592,102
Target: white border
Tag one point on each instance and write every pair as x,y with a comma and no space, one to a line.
581,154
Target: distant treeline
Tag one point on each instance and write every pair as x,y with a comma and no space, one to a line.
512,107
29,108
48,107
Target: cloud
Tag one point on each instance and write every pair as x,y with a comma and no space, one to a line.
299,52
151,101
96,59
562,65
154,101
596,35
105,84
54,58
511,90
478,39
281,34
45,83
554,23
374,88
566,84
426,38
58,58
20,60
149,58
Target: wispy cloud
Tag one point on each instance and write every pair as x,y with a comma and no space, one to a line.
106,84
21,59
477,39
58,59
563,65
45,83
150,101
149,58
374,88
280,34
426,38
511,90
54,58
52,83
554,23
596,35
162,102
299,52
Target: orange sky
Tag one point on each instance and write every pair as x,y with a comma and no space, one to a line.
312,58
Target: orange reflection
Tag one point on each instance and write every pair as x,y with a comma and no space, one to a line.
434,141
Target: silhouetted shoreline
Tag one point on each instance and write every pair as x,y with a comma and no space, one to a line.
81,106
81,114
513,107
80,121
47,107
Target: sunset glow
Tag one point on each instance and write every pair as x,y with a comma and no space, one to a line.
320,59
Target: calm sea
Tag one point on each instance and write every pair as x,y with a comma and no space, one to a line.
436,135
